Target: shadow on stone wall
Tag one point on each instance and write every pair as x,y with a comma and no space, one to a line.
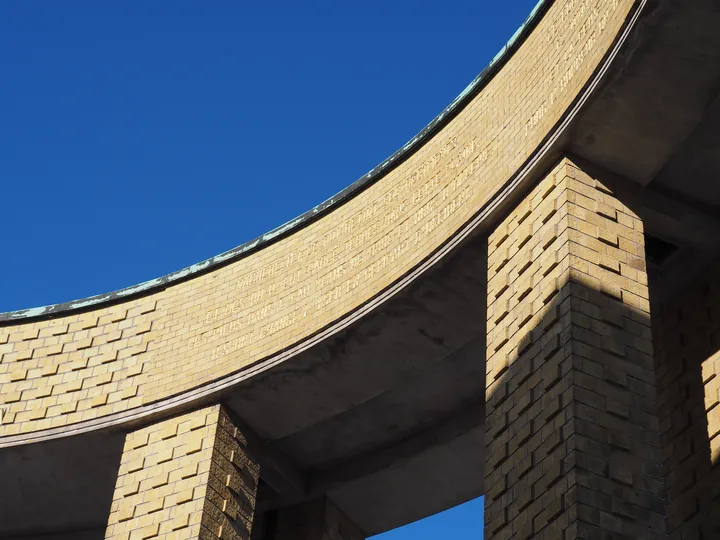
572,433
687,353
572,440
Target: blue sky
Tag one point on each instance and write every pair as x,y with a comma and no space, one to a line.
137,138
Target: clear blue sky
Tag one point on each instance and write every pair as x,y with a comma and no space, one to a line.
137,138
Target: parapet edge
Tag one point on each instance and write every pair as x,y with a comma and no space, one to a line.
292,226
536,163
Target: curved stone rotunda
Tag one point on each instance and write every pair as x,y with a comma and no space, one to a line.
471,317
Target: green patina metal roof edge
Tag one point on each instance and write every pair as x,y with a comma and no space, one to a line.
408,149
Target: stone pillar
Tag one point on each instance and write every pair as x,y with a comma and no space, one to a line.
187,477
319,519
572,444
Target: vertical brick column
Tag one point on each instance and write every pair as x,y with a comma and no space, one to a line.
319,519
572,444
187,477
687,353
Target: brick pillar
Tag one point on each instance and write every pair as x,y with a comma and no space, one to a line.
187,477
687,353
572,444
319,519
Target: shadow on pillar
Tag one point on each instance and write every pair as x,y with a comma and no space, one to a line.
571,421
687,343
572,439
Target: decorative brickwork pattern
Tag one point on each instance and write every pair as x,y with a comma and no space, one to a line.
687,345
571,428
59,372
185,478
217,323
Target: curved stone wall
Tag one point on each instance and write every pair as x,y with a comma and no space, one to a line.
79,368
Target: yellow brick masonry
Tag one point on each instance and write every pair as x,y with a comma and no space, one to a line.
185,478
81,367
572,447
687,342
56,373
